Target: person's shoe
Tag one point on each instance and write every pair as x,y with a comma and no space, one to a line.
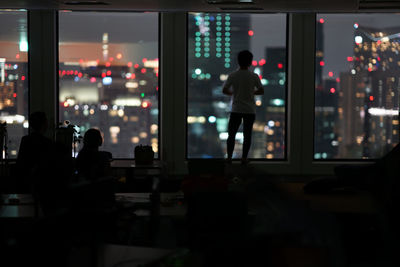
244,161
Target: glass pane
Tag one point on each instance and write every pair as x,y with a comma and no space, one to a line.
109,77
357,85
14,77
214,41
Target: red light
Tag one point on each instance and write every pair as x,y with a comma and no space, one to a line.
321,21
15,95
133,76
330,74
17,56
379,59
111,58
80,74
251,33
129,64
144,60
136,66
157,88
369,69
93,80
76,72
143,70
349,59
156,74
321,63
108,72
145,104
262,62
280,65
81,61
22,78
254,63
338,80
59,72
108,64
103,75
66,104
333,90
379,42
63,72
371,98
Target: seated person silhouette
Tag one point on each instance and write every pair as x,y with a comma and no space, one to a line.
92,163
35,153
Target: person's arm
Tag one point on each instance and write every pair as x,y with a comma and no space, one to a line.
226,91
260,88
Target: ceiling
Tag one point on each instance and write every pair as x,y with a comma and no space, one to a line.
211,5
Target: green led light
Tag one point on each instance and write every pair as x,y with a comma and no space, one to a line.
208,76
227,18
227,23
227,39
218,44
206,17
227,60
219,17
227,55
206,55
206,23
218,28
227,34
142,94
198,34
227,65
197,23
207,34
227,49
198,44
218,49
201,76
218,39
218,34
206,43
207,39
227,29
198,39
206,49
227,44
194,76
198,55
197,49
218,54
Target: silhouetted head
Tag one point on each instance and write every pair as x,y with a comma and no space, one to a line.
38,122
245,58
92,138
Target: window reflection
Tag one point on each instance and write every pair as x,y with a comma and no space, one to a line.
214,41
14,77
108,77
356,85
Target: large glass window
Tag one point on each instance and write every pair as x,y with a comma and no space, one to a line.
14,77
213,44
357,85
108,77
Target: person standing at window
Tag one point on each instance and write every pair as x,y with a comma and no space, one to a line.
242,85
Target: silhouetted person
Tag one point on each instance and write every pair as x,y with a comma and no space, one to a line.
242,85
92,163
35,152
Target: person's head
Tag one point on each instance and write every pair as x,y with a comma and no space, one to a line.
245,58
92,138
38,122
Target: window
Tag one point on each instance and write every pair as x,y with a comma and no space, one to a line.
357,85
108,77
14,77
213,44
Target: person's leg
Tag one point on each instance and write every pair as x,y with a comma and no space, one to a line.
234,122
248,120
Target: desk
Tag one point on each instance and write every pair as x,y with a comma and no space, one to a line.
340,202
138,177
